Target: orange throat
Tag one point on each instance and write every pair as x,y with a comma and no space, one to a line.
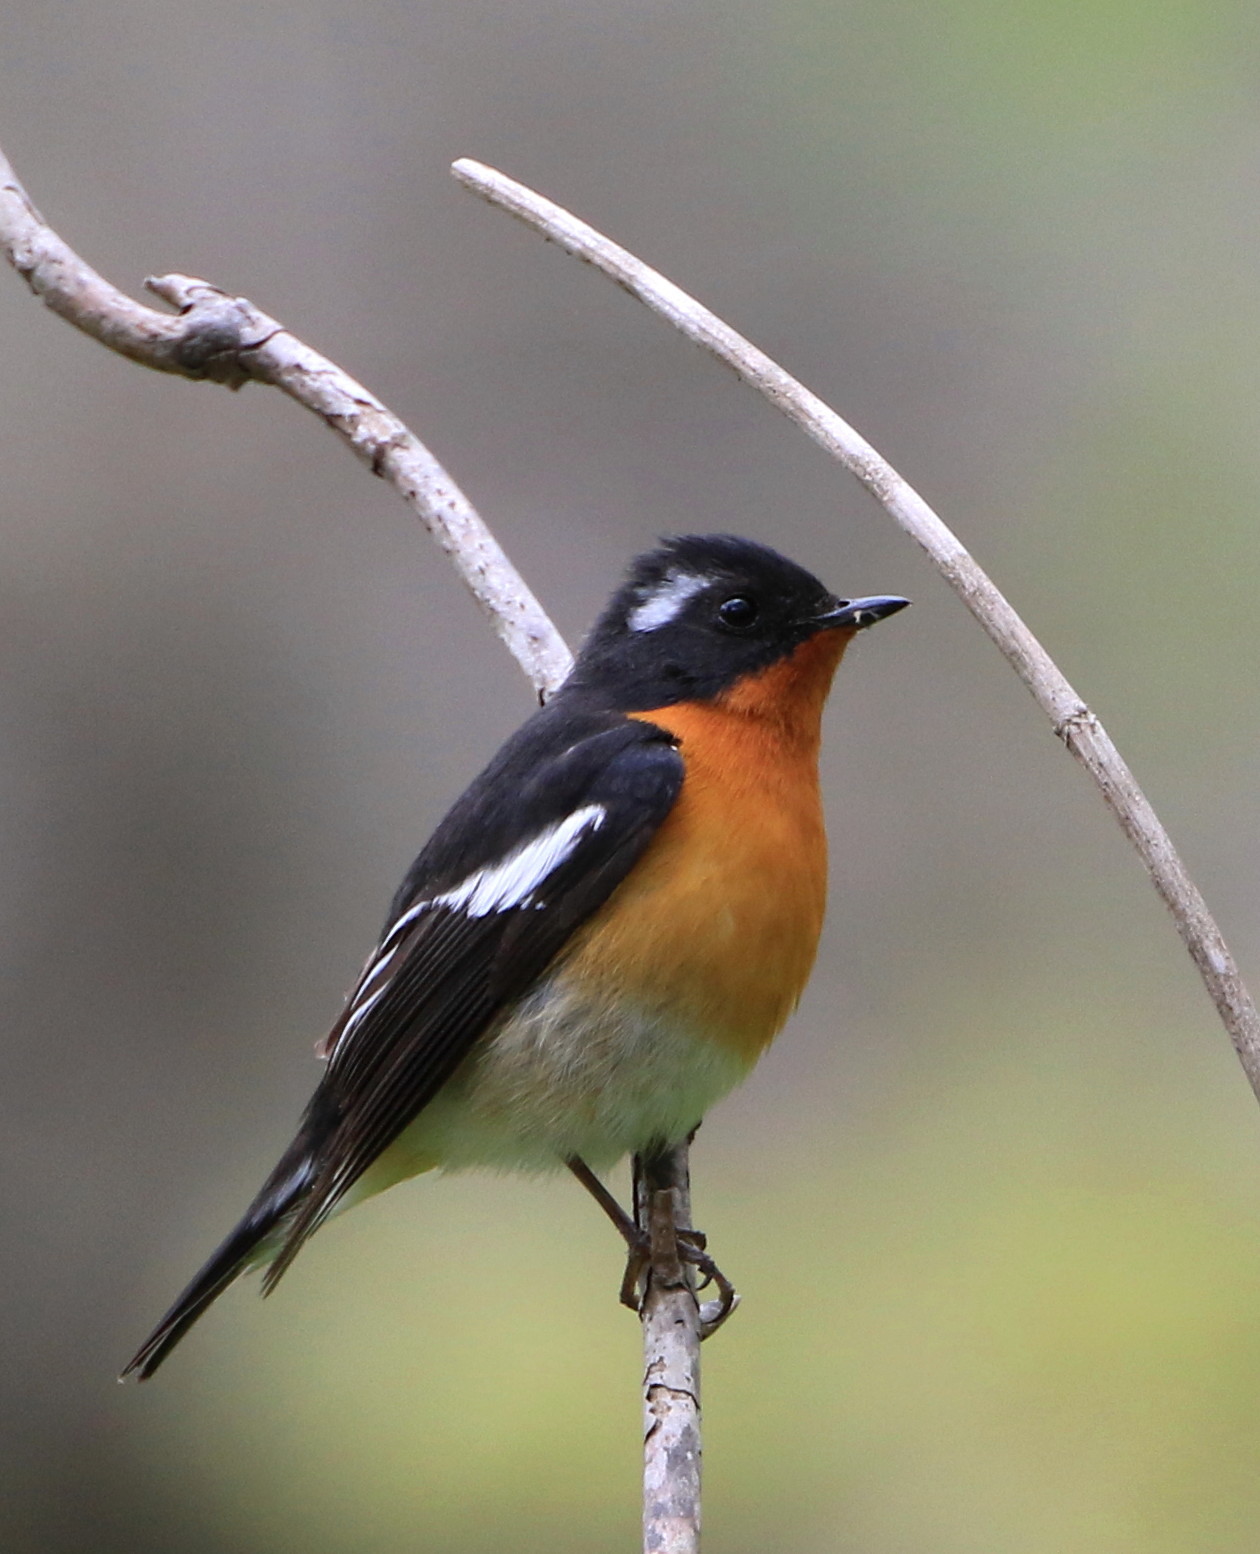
790,695
718,924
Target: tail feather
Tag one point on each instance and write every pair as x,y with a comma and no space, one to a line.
253,1241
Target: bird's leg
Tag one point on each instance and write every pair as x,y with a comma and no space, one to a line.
638,1244
637,1236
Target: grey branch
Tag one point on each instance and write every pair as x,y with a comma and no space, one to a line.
672,1329
1070,718
228,340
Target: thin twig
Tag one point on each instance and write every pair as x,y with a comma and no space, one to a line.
228,340
672,1332
1071,719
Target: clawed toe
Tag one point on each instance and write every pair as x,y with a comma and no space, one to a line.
712,1312
638,1262
691,1251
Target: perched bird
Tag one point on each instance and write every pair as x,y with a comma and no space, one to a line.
606,930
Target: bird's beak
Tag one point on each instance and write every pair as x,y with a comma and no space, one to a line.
858,613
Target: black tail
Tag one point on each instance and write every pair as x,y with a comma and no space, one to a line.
281,1194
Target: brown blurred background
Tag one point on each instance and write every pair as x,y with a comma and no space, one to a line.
994,1200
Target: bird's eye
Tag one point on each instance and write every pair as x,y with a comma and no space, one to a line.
739,613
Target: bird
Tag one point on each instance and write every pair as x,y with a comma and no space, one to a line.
608,927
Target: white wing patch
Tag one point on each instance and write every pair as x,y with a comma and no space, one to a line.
666,601
362,1007
501,886
512,882
405,921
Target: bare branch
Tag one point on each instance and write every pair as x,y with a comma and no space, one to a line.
672,1331
227,340
1071,719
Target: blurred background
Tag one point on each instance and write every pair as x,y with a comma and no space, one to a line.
994,1200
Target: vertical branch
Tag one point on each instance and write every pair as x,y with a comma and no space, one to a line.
671,1359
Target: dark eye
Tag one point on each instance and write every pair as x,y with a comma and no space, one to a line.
739,613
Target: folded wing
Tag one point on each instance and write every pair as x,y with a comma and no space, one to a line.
515,868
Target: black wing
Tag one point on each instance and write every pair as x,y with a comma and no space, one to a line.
536,845
460,951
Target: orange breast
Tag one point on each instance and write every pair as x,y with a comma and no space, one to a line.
719,922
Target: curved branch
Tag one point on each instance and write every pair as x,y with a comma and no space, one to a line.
228,340
1071,719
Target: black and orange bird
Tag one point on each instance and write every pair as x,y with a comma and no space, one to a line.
607,929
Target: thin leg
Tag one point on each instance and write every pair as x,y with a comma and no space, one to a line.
638,1244
630,1232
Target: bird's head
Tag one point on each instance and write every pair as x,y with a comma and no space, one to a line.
705,615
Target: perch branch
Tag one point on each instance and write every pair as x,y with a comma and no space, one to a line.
1071,719
227,340
672,1330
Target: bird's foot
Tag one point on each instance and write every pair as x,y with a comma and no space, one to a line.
692,1251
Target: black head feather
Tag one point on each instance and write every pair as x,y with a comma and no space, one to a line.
693,617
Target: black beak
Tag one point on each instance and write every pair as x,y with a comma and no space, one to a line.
858,613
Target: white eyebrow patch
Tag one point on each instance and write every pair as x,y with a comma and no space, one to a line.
664,602
513,882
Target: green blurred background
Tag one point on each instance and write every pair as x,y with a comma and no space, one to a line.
994,1200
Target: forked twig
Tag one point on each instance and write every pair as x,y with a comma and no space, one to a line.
225,339
228,340
1071,719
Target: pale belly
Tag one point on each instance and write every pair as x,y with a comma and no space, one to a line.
566,1074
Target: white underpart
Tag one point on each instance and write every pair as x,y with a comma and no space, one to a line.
565,1072
666,601
513,882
